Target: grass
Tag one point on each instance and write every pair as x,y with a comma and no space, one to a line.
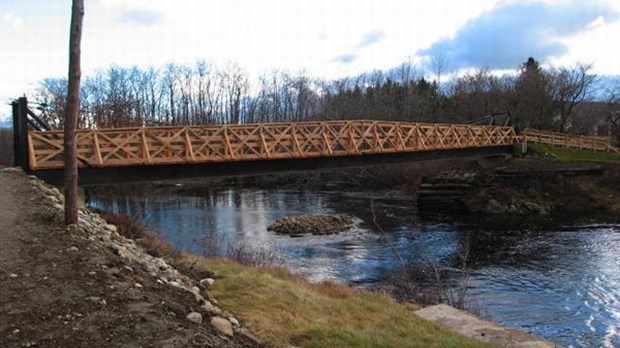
562,154
284,309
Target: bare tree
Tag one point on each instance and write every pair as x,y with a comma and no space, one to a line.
52,96
612,106
478,94
71,116
169,83
569,88
438,64
204,94
202,91
235,84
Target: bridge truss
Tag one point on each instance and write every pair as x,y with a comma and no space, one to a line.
269,141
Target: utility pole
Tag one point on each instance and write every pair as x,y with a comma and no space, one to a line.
71,114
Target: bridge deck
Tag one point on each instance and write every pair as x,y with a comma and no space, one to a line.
230,143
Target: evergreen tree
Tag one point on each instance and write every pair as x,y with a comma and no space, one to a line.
534,106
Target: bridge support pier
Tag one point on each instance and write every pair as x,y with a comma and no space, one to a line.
520,149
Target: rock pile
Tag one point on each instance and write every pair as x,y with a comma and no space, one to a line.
311,224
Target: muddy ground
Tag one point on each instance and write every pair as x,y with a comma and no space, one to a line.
56,290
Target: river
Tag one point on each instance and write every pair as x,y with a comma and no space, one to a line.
562,284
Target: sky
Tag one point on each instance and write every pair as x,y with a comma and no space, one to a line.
323,38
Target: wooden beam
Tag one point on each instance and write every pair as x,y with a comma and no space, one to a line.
264,143
294,134
32,159
97,148
326,143
145,147
227,142
188,144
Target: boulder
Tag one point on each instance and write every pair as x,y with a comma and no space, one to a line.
533,208
494,207
222,325
209,307
195,317
207,282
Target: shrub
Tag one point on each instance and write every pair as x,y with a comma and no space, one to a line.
133,227
246,253
157,246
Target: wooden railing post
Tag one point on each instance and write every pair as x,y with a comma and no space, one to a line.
20,133
15,109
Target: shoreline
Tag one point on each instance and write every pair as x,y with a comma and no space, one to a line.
85,285
160,277
521,194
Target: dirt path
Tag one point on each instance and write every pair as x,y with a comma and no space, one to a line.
58,290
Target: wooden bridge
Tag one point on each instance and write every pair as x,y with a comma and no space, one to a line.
237,149
249,142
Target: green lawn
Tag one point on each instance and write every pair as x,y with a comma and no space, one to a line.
284,309
562,154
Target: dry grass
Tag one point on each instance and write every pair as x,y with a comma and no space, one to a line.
133,227
285,309
156,246
244,252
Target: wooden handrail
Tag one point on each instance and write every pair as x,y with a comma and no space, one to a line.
226,143
582,142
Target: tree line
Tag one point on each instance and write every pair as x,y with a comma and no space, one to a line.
543,98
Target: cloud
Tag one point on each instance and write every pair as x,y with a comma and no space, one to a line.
371,38
12,20
144,17
505,36
598,22
345,58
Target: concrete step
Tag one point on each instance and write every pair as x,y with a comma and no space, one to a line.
482,330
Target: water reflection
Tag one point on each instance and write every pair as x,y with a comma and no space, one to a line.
563,285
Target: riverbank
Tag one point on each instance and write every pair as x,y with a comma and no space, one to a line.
550,188
89,286
524,194
501,261
86,286
287,309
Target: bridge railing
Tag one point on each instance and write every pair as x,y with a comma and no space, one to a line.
225,143
571,141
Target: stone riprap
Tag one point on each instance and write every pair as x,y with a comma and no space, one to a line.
312,224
